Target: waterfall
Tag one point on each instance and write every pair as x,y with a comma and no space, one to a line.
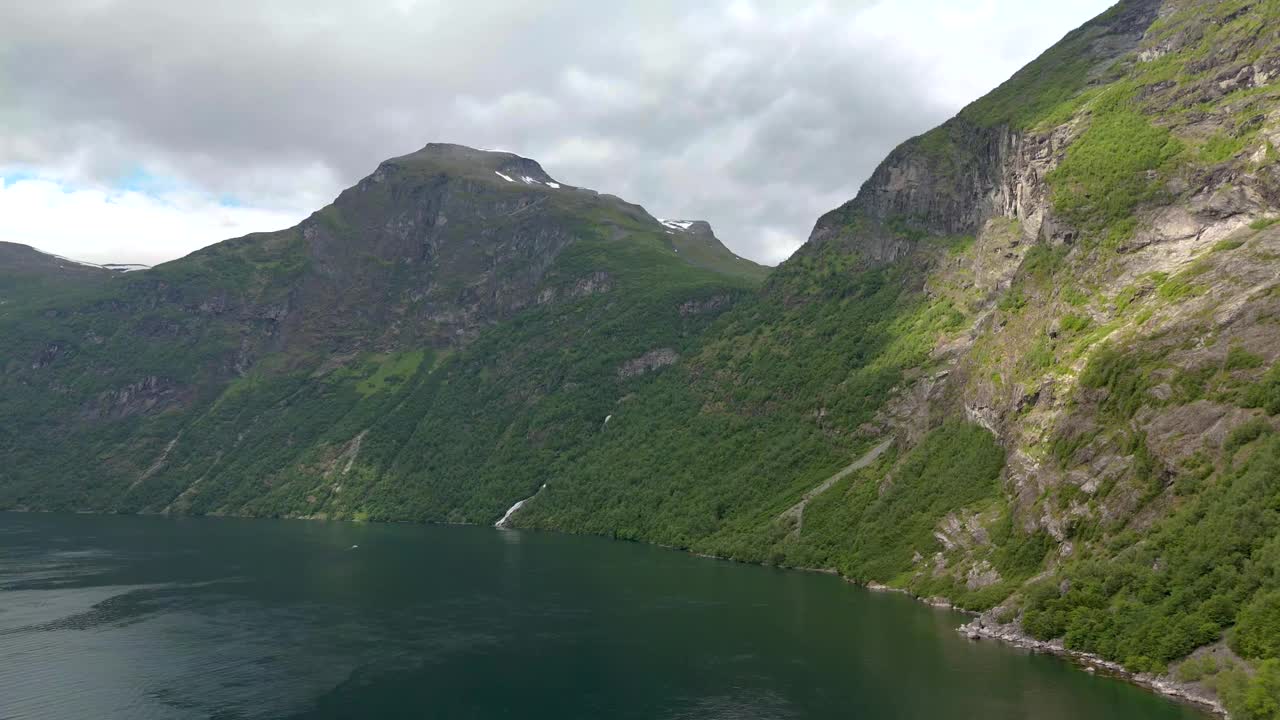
502,522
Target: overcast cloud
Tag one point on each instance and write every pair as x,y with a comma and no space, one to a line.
139,130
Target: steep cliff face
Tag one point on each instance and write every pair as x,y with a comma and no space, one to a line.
1119,281
991,159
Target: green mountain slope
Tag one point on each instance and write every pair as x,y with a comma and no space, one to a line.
1063,305
452,289
1060,309
29,276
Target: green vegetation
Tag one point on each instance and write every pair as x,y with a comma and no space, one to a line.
1257,630
1048,88
1255,697
1123,375
720,445
1151,600
1071,323
391,372
1220,148
953,467
870,525
1240,359
1105,174
303,373
1265,393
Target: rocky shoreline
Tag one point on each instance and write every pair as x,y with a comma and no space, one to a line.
985,626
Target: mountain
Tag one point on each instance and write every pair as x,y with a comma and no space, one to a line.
455,310
1030,369
27,274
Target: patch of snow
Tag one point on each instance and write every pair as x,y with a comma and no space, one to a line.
76,262
607,418
118,267
529,180
676,224
504,177
554,185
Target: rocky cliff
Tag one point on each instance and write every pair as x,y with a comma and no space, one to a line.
1118,273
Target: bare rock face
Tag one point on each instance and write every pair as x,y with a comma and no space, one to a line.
652,360
593,284
50,354
951,180
712,304
150,394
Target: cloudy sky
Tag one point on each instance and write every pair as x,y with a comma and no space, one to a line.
140,130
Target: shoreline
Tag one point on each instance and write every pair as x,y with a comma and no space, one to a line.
982,627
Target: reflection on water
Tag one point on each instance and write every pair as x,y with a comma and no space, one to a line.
120,617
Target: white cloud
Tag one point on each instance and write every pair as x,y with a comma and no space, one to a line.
756,115
133,227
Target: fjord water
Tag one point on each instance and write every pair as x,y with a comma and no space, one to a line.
146,617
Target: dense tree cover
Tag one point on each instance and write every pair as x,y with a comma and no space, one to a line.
1150,599
872,525
717,447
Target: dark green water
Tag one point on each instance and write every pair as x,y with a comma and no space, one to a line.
127,617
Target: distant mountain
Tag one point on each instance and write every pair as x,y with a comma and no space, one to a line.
28,275
298,372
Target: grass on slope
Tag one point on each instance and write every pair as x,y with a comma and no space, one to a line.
871,527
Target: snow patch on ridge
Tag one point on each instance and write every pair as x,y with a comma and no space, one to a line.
676,224
118,267
527,180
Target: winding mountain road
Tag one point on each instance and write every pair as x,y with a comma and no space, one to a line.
796,512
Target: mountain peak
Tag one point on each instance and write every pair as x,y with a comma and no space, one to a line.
491,164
